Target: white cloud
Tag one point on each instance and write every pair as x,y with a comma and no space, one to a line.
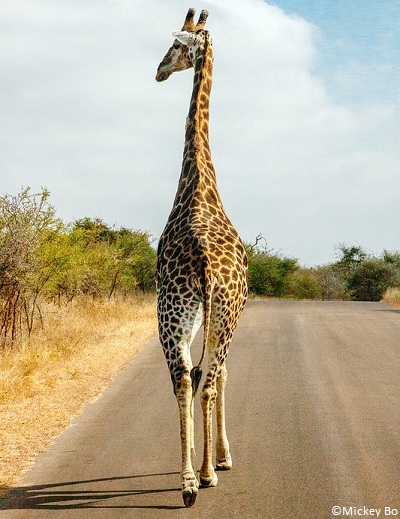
83,115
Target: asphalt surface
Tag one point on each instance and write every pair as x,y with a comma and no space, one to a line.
313,414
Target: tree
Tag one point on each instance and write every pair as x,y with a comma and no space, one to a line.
268,273
351,257
304,284
370,280
27,224
120,259
366,277
331,282
392,260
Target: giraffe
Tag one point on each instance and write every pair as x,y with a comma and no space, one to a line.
201,269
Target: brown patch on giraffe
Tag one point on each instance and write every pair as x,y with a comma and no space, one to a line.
201,268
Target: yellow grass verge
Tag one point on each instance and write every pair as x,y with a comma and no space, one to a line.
46,382
392,297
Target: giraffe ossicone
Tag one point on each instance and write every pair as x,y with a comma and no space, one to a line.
201,269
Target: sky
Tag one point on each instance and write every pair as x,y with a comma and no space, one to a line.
304,116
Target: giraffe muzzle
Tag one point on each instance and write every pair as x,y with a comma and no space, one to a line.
162,75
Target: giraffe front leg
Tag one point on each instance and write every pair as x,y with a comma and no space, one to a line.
188,477
208,477
224,460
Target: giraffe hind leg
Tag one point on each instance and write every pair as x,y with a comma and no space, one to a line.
214,392
208,477
178,331
188,476
224,459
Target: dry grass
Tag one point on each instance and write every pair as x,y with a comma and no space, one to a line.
392,297
45,382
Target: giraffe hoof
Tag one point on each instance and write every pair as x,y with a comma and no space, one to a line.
189,491
206,482
224,463
189,496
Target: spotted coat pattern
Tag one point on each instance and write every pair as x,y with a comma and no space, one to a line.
201,269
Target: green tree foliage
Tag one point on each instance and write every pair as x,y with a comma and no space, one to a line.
304,284
369,281
268,273
27,226
351,257
365,277
331,282
41,258
101,261
392,260
356,275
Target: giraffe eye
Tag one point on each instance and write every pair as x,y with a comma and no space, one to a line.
176,45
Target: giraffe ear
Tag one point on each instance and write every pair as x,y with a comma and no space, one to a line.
184,37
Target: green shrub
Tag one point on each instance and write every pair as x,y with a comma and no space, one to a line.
369,280
331,282
364,276
27,225
269,274
41,258
304,284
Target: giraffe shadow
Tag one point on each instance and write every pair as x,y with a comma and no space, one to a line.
137,491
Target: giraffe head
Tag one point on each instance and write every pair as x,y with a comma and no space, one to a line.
181,55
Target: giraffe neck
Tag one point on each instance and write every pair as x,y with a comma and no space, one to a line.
197,168
196,136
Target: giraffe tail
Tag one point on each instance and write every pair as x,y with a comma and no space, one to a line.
195,375
196,372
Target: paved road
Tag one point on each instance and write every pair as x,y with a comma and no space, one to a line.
313,403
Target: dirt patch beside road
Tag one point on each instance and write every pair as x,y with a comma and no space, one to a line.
48,380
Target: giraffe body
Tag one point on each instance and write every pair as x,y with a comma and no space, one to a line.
201,269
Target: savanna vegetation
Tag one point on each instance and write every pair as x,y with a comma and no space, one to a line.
356,275
44,261
78,299
76,302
